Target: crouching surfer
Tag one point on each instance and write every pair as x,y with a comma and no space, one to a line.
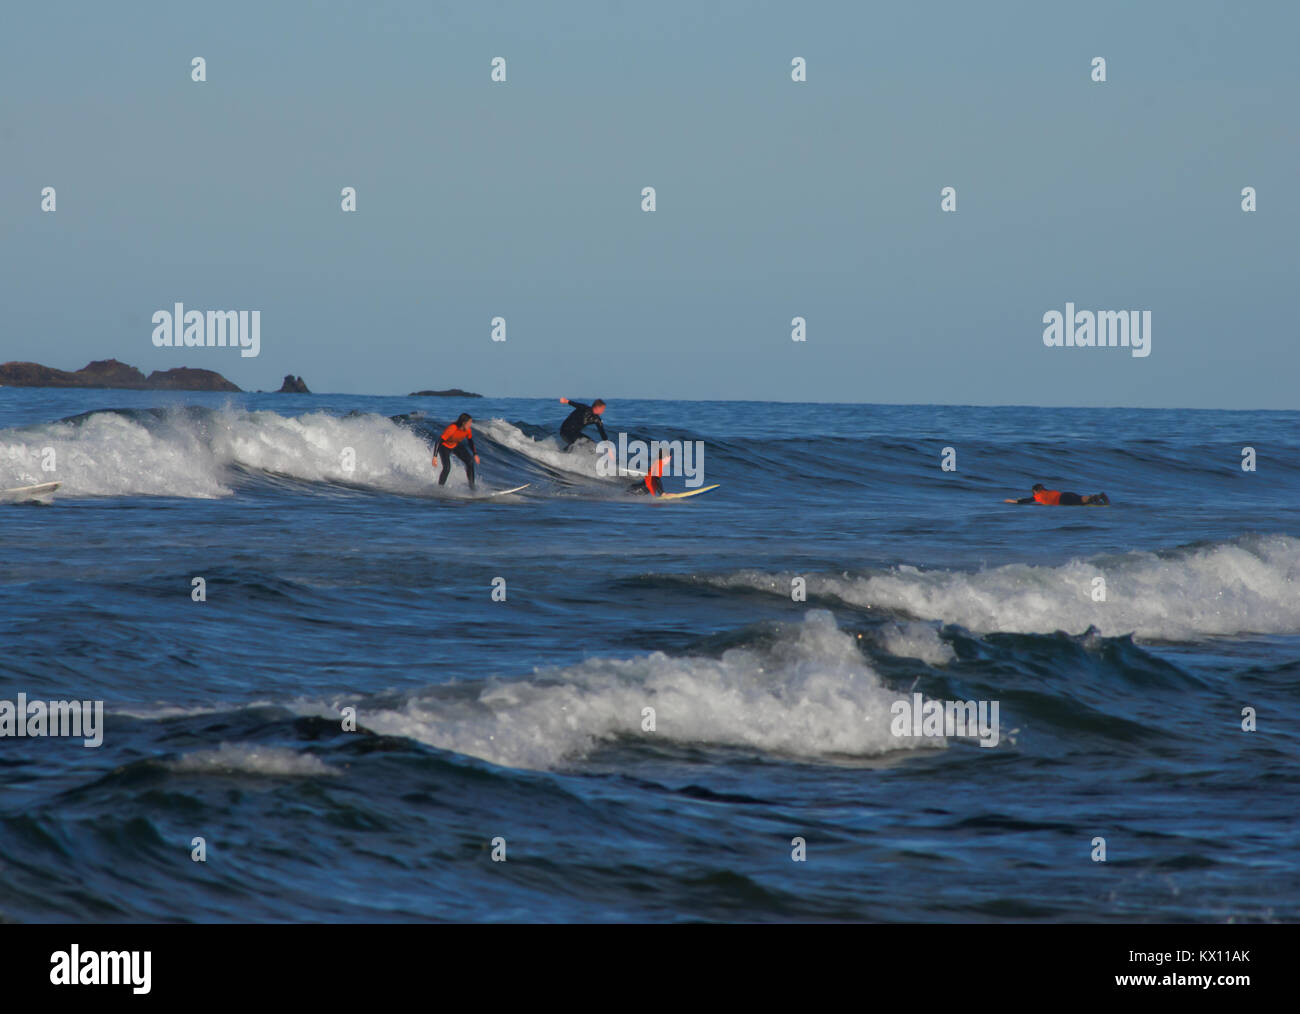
579,419
653,483
1056,498
457,439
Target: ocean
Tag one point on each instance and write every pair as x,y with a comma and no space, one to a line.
387,702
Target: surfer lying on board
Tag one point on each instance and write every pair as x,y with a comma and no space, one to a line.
579,419
1054,497
653,483
453,441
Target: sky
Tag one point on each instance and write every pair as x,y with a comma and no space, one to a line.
775,199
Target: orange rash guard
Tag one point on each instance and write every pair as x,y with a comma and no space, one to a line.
1049,496
656,472
453,435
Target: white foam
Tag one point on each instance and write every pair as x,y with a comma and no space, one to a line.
108,454
188,455
160,711
1249,585
312,446
581,459
811,695
915,640
253,760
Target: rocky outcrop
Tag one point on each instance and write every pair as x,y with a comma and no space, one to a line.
454,392
293,385
184,378
102,373
111,373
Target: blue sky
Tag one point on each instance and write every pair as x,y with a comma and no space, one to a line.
775,199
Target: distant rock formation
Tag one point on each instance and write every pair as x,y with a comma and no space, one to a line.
111,373
293,385
454,392
185,378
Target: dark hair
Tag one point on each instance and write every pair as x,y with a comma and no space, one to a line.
463,419
598,402
1039,485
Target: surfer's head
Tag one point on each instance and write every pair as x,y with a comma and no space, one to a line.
598,407
463,419
1037,486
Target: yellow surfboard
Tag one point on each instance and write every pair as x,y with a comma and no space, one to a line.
689,492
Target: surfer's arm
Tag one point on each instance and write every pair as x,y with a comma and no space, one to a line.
600,427
1023,499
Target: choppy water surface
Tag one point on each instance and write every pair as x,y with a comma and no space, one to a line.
523,719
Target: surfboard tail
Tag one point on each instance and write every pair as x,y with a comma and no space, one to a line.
689,492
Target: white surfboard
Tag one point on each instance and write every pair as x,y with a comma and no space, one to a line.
503,492
29,492
689,492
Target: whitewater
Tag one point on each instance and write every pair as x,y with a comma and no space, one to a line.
649,701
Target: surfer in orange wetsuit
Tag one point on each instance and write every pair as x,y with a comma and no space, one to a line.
453,441
1055,498
653,483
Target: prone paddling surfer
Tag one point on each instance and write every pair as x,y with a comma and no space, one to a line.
1056,498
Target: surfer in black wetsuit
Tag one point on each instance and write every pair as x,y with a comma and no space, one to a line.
1056,498
579,419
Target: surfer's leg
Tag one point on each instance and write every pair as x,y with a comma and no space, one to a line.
462,452
1072,500
445,455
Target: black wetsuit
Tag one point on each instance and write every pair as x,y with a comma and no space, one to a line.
465,454
642,489
579,419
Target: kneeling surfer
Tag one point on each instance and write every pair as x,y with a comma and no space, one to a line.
653,483
453,441
1055,498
